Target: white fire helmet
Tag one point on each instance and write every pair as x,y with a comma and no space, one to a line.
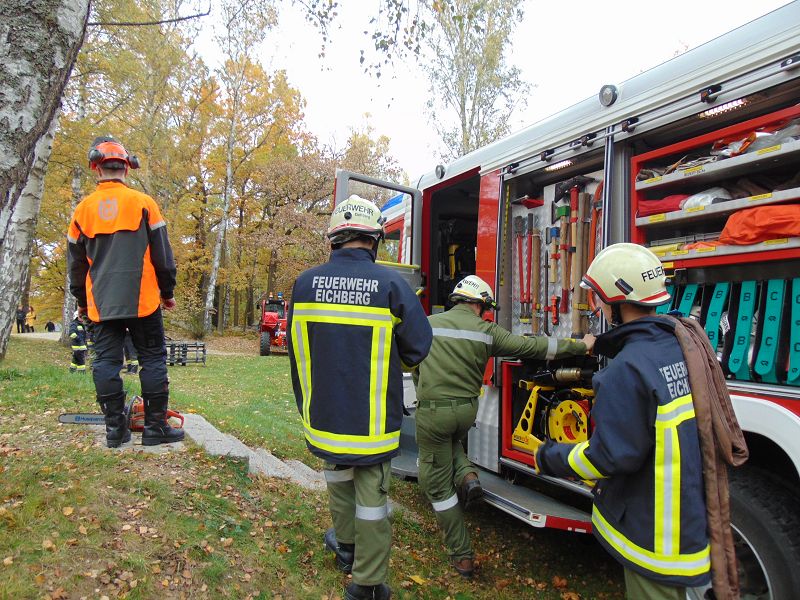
355,217
627,273
474,289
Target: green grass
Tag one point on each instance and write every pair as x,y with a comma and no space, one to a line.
77,519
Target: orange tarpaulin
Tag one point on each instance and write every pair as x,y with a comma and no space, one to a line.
761,223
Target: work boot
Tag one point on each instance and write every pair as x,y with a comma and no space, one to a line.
156,428
470,490
344,552
464,566
113,407
355,591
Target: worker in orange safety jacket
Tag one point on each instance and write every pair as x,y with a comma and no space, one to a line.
121,272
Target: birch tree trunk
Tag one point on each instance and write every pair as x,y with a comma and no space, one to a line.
40,41
223,225
15,255
70,304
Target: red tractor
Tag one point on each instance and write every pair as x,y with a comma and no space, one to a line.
273,325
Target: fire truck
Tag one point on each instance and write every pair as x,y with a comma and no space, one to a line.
697,159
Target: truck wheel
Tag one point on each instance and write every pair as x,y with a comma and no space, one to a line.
765,523
266,347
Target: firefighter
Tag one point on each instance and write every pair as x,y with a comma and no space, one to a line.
649,510
122,272
448,385
77,340
353,326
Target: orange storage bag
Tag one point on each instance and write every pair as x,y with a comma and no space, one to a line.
761,223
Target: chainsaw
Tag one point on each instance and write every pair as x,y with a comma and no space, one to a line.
134,412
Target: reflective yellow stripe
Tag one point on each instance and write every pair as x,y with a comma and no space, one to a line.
382,322
686,565
301,358
581,464
667,489
352,444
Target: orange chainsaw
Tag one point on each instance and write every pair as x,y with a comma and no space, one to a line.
134,411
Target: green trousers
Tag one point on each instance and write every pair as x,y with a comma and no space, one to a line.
442,426
357,498
639,587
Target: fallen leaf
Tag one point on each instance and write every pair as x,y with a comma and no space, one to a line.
142,530
126,527
559,582
8,560
570,596
67,511
48,545
226,542
418,580
82,530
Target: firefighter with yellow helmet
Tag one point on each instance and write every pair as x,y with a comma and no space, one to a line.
649,510
353,327
449,383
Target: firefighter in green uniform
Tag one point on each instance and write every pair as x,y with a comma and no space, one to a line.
448,385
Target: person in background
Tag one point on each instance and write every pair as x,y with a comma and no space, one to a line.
30,320
122,272
21,312
77,340
353,327
131,357
50,327
448,384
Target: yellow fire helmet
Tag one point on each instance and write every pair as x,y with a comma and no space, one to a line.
474,289
355,217
627,273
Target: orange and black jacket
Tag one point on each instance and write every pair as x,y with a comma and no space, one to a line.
120,259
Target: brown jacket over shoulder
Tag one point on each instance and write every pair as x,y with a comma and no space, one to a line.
721,443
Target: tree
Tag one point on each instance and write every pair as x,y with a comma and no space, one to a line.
245,25
473,91
41,42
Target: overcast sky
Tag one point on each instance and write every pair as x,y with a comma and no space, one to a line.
567,49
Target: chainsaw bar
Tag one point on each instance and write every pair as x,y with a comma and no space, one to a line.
82,418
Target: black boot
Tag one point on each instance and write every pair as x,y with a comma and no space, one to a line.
156,429
344,552
113,407
355,591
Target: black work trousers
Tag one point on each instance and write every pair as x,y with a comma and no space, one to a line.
147,335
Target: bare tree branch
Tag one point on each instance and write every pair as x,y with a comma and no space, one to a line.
143,23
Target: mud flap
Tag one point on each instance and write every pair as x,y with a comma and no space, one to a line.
688,298
793,376
770,325
664,308
738,362
714,314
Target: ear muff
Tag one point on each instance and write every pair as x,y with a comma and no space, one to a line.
97,156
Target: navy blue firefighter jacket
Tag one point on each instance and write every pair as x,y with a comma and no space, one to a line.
353,326
649,506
